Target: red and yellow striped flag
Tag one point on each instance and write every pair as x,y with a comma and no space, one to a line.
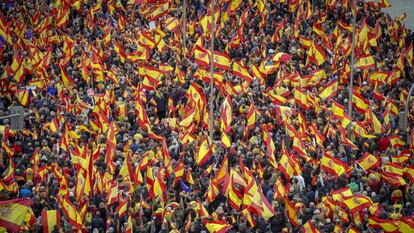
70,211
309,227
14,213
221,60
291,212
50,219
204,151
241,71
359,102
316,54
368,161
329,91
357,203
201,56
387,225
333,165
66,79
217,226
251,116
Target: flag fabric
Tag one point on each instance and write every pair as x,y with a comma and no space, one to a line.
23,96
70,211
226,111
217,226
387,225
406,225
309,227
221,60
369,161
357,203
50,220
66,79
359,102
329,91
291,212
204,151
222,173
241,71
365,62
201,56
251,116
225,140
159,187
333,165
316,54
16,210
112,195
122,207
159,11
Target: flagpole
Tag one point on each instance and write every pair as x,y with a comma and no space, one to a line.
405,122
211,71
351,82
184,25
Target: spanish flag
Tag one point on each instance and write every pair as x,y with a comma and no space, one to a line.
247,215
62,16
241,71
178,172
291,212
387,225
375,123
340,194
359,102
393,169
50,219
396,141
316,54
301,98
393,179
409,172
333,165
107,36
406,225
225,140
281,57
23,96
66,79
211,192
171,24
204,151
365,62
217,226
280,189
159,184
54,125
357,203
122,208
309,227
251,116
201,56
329,91
14,213
368,161
70,212
130,226
159,11
320,138
221,60
112,195
222,172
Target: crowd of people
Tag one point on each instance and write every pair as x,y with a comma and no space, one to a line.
118,134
